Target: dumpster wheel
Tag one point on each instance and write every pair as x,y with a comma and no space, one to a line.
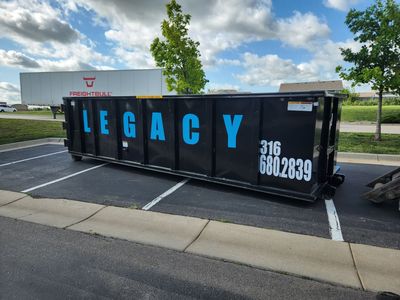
337,179
76,157
328,191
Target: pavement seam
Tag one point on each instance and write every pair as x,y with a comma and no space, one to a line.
87,218
355,267
197,237
22,197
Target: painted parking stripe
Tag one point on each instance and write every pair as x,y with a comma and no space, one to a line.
63,178
334,224
165,194
30,146
31,158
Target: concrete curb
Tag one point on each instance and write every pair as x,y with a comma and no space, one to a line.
369,158
358,266
279,251
30,143
144,227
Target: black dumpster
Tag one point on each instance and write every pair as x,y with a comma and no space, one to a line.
283,144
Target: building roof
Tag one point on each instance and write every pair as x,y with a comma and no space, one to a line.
370,94
334,85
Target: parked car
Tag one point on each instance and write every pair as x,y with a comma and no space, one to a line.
7,108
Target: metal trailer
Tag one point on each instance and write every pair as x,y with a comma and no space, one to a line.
49,88
282,144
385,187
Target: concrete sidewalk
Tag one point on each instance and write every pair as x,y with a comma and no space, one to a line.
368,128
358,266
369,158
17,116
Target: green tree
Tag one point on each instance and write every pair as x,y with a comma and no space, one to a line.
351,94
178,54
378,61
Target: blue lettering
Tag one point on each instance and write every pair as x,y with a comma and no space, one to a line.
86,127
189,137
129,124
232,128
157,127
103,122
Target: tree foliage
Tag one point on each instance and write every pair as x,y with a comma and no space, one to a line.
377,29
178,54
351,94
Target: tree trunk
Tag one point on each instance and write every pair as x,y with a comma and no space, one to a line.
378,135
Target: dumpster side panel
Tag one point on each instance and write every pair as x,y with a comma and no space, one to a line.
105,116
194,129
131,124
88,126
325,116
287,142
160,132
236,139
73,118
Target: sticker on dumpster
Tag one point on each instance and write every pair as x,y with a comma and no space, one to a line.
300,106
272,164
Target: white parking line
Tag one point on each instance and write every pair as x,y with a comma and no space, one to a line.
62,178
334,224
165,194
29,146
31,158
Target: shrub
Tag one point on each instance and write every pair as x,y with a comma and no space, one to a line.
371,102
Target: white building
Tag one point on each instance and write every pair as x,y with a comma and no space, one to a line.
48,88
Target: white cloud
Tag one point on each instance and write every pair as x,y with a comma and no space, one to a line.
228,62
343,5
216,87
70,64
216,24
137,59
302,30
34,21
13,58
17,59
47,41
9,93
271,70
130,27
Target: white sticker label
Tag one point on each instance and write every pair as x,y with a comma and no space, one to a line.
124,144
300,106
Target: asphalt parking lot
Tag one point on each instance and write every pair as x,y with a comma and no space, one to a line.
48,171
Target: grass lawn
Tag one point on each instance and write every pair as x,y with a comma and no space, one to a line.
364,143
22,130
390,113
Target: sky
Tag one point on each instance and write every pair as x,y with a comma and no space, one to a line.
247,45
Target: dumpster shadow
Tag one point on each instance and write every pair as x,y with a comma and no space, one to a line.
255,195
236,205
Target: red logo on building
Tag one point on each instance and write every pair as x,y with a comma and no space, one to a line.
89,81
